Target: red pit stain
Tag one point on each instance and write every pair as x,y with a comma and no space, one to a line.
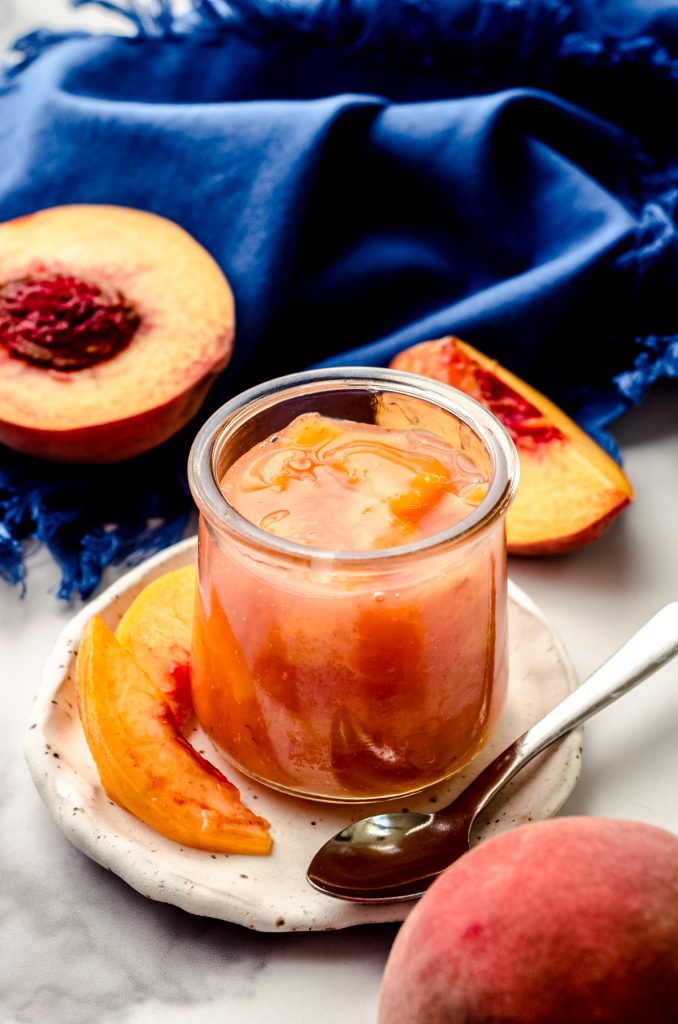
180,693
526,425
64,323
180,672
206,765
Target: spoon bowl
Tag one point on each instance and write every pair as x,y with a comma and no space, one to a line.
388,858
394,856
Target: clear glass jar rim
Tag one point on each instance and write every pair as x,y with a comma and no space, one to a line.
212,503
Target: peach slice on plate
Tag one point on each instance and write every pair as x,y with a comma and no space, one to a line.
144,762
570,490
114,323
156,629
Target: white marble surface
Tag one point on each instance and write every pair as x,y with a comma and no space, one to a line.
77,946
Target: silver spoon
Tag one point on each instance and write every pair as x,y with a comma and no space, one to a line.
395,856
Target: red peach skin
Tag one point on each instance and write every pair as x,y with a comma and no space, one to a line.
567,921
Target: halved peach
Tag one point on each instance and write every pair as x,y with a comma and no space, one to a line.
114,323
570,490
156,629
144,762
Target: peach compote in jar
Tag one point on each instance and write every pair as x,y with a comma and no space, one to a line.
350,633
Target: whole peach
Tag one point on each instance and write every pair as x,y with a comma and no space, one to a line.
567,921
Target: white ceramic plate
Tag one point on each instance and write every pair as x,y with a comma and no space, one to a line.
271,893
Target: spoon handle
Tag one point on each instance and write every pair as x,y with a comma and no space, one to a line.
652,646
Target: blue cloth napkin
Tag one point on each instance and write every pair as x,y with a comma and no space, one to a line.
369,174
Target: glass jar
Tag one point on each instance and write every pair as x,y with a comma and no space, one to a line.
351,675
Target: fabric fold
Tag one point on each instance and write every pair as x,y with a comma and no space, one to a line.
369,174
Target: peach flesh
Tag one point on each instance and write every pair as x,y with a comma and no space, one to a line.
145,764
566,921
570,490
156,629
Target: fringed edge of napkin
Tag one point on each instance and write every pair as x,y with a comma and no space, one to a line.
89,517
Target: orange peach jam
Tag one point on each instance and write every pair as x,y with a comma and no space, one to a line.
354,681
352,486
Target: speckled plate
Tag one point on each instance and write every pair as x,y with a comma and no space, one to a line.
271,893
